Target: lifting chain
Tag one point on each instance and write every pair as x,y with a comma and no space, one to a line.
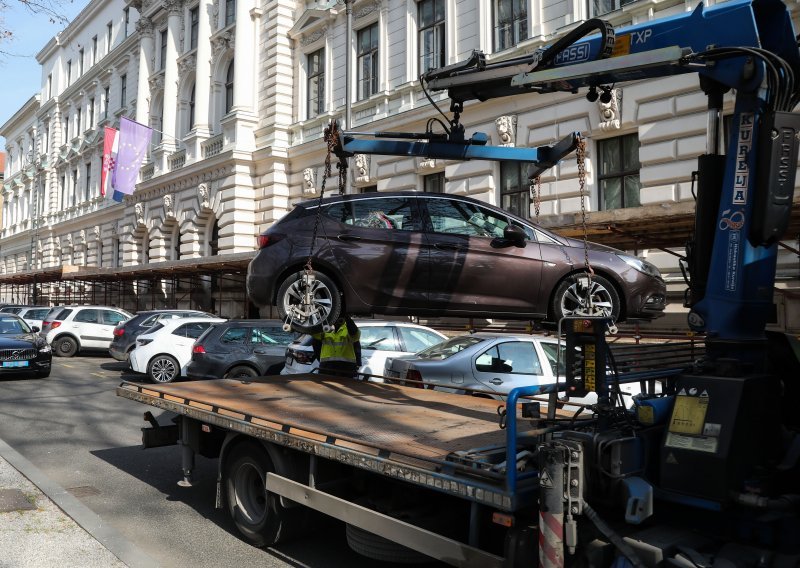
536,194
306,305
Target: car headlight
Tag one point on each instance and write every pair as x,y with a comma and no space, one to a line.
641,265
44,348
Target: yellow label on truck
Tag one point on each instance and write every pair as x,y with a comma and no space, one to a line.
589,370
622,45
689,415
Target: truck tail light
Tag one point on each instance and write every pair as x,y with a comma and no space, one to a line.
198,349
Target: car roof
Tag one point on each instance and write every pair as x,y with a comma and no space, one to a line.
309,203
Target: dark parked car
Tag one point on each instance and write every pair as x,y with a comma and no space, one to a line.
440,255
125,333
240,348
22,351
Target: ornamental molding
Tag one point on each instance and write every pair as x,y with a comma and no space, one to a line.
309,181
362,167
173,7
427,164
313,36
144,26
507,129
203,196
367,10
156,83
611,112
138,210
221,42
169,209
186,64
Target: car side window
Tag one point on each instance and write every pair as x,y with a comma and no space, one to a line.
87,316
191,330
36,314
113,318
63,314
461,218
234,336
378,338
416,339
149,321
517,357
558,358
396,213
271,336
340,212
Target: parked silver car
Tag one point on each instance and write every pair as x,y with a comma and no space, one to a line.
488,362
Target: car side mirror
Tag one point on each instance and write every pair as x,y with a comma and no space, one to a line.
35,329
515,235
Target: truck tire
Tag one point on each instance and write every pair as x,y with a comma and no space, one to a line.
325,307
378,548
258,514
66,346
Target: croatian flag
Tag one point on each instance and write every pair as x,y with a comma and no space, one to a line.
110,145
134,139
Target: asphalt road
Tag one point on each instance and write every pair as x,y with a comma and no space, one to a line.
74,428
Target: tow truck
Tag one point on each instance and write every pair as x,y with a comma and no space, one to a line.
704,473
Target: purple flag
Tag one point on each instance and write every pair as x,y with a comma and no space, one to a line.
134,138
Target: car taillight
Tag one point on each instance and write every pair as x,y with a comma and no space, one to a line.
198,349
55,324
302,357
266,240
414,375
119,332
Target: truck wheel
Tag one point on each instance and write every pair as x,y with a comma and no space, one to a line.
258,514
163,369
572,295
66,347
378,548
323,294
241,372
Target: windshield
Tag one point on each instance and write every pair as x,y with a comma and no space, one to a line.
12,326
450,347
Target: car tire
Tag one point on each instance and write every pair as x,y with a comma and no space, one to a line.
66,346
571,297
241,372
325,307
163,369
257,514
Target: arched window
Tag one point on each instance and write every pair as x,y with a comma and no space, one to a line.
191,109
229,89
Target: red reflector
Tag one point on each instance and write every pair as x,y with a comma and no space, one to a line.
198,349
118,332
55,324
266,240
502,519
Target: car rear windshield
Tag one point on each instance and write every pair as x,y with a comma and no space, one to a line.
449,348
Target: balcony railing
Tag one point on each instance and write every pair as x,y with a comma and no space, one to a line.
176,160
212,146
148,171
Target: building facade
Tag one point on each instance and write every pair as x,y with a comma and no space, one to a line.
239,91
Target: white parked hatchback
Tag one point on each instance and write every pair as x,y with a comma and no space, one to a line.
73,328
379,341
166,350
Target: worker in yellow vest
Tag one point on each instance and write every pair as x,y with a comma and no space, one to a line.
339,350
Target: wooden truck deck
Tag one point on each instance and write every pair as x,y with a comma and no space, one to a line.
408,433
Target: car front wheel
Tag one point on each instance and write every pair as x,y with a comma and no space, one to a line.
309,301
580,295
163,369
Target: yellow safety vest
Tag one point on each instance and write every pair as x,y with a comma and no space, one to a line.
338,345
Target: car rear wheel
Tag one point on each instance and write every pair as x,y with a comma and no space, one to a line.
241,372
66,347
163,369
309,301
579,295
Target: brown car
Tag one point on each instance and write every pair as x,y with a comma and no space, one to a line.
423,254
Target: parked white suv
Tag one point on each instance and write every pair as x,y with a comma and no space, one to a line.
74,328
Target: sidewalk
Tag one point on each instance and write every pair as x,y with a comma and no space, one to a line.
43,525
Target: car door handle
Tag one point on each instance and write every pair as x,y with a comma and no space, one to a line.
346,237
496,381
259,351
443,246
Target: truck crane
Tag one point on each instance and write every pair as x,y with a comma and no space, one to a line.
704,473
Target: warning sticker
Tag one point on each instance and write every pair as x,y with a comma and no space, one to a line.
692,443
589,370
544,480
689,415
622,45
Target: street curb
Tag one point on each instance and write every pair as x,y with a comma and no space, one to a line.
80,513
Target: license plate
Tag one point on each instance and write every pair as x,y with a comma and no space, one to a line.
15,363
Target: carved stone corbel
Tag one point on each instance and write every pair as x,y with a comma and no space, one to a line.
611,112
309,181
507,129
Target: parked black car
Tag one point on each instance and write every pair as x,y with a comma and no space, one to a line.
22,351
126,332
240,348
